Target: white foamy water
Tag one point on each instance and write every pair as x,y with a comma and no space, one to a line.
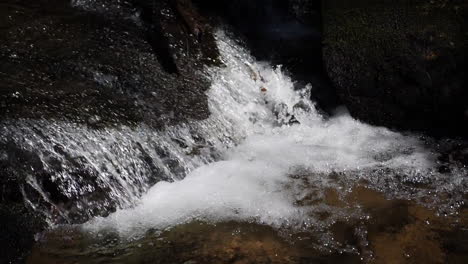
261,149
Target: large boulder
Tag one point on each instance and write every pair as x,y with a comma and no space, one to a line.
400,64
103,62
94,64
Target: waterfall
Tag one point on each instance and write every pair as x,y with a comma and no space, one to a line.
264,148
248,161
274,149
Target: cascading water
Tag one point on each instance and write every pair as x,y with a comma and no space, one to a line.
141,136
266,147
240,163
264,158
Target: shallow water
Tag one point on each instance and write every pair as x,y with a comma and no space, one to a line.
390,231
267,179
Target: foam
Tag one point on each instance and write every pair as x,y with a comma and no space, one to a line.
260,149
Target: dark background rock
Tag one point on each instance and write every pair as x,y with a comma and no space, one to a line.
400,64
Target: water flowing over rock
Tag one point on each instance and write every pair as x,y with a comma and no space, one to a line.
137,116
282,32
268,159
91,66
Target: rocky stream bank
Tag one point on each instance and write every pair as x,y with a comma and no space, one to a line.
102,64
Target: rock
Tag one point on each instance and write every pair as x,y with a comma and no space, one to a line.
94,63
75,63
309,12
453,153
18,220
400,64
19,226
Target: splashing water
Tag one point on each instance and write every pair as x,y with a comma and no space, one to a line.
268,139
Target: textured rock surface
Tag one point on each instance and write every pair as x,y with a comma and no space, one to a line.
400,63
19,226
96,63
100,64
107,63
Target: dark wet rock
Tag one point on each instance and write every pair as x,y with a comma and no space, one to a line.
400,64
19,226
24,179
98,63
18,220
453,153
181,38
95,64
25,208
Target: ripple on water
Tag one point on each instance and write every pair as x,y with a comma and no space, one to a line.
387,231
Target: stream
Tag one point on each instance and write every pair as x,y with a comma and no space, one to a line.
267,178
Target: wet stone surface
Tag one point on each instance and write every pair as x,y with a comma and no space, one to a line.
107,73
94,64
400,64
389,231
95,67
